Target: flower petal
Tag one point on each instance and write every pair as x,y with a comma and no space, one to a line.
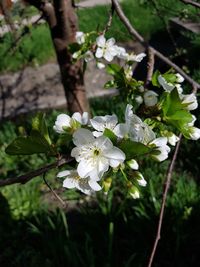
101,41
82,136
70,183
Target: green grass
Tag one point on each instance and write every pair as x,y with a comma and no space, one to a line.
32,50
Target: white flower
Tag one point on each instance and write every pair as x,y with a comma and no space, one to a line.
100,65
121,52
179,88
138,99
133,164
88,56
95,155
168,87
150,98
162,147
193,121
194,133
137,58
80,37
100,123
179,78
191,100
134,128
172,139
64,122
134,192
73,180
106,49
140,179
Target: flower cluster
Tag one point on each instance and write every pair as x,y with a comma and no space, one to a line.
102,145
103,50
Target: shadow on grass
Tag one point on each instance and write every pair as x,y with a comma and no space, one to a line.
89,238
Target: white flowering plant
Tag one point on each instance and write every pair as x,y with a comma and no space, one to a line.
102,146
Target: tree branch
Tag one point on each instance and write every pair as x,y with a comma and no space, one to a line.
28,176
164,198
109,22
189,2
137,36
150,67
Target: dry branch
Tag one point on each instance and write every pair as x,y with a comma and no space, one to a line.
164,198
192,3
30,175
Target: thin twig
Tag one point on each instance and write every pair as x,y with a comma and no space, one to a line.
189,2
164,198
30,175
138,37
150,66
54,193
109,22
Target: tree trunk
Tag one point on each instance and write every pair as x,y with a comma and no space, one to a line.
63,24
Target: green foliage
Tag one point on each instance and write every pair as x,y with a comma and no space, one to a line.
37,142
32,49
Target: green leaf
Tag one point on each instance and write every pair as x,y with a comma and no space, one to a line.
39,124
154,79
170,77
113,69
35,143
108,133
171,103
133,149
74,47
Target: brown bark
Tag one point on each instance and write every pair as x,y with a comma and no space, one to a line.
63,25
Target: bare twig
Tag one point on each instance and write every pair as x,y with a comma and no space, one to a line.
109,22
192,3
30,175
137,36
150,66
164,198
54,193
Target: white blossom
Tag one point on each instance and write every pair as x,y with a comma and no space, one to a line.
94,155
134,192
162,147
65,122
194,133
138,99
150,98
73,180
106,49
193,121
179,78
179,88
134,57
133,164
134,128
172,139
168,87
80,37
121,52
191,100
140,179
100,123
